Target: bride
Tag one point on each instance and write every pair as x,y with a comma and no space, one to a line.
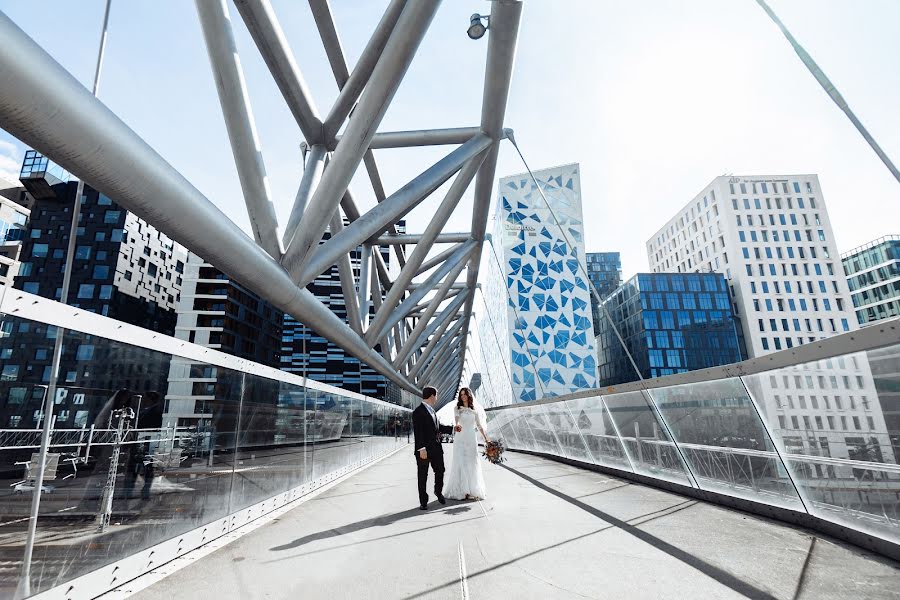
466,481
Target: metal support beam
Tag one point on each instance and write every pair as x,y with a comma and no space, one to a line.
425,328
48,109
266,32
235,100
438,220
427,361
437,259
415,238
505,17
345,273
455,286
374,222
424,357
353,86
451,268
421,137
365,260
312,173
373,103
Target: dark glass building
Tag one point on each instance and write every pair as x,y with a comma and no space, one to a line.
873,275
123,268
671,323
306,353
604,269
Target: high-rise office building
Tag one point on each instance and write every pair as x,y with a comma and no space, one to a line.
772,238
604,269
124,268
305,352
542,256
670,323
14,213
218,312
873,275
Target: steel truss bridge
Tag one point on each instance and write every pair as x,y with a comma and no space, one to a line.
421,328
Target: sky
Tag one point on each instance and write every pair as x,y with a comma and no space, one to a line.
654,98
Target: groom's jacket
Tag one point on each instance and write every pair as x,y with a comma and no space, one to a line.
427,434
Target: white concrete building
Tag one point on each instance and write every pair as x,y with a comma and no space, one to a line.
772,238
13,221
551,332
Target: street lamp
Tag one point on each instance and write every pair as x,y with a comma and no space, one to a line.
476,28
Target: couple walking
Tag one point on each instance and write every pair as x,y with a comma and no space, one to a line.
465,481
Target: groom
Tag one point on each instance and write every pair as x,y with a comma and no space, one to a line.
427,430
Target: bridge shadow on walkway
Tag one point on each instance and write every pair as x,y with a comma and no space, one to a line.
547,531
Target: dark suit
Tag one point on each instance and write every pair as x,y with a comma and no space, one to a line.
428,435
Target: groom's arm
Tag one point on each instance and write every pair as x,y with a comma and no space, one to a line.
418,434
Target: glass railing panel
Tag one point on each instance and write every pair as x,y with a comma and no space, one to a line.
270,453
566,441
724,441
537,422
332,432
648,446
500,427
138,454
837,421
595,427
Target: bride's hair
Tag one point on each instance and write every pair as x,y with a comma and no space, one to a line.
460,403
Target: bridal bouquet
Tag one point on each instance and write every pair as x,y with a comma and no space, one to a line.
493,451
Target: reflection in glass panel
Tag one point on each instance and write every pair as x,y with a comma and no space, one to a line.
146,447
648,446
724,441
837,421
599,433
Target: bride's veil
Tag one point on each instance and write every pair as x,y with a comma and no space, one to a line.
480,413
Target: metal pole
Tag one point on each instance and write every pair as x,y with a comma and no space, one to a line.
24,586
386,78
358,79
345,274
263,25
380,217
312,173
235,101
415,238
422,137
91,140
437,222
831,90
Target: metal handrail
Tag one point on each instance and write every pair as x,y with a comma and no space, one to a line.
881,334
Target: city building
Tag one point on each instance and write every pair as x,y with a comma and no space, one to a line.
14,213
218,312
604,270
772,238
541,250
123,268
671,323
306,353
873,276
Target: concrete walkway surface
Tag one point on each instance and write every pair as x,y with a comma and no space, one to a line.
546,531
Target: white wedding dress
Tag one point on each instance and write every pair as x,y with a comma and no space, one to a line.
465,476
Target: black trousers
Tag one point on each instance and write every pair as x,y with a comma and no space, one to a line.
436,460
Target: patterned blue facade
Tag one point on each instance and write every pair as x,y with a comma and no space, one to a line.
549,307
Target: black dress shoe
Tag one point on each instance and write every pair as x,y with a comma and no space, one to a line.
423,507
441,499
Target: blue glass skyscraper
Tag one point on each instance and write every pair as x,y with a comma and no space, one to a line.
671,323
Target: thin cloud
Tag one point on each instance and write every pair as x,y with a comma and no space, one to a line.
10,161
